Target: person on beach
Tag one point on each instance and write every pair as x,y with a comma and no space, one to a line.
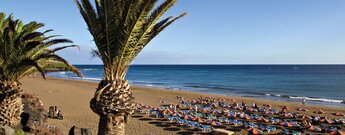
303,101
243,104
254,105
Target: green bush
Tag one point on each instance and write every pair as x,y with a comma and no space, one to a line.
19,132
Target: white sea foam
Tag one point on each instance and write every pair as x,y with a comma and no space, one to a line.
307,98
90,78
149,85
319,99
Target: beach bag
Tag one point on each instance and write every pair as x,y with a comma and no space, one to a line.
54,112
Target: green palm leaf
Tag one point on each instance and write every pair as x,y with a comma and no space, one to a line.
122,28
24,50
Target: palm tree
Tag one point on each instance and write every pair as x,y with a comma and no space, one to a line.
120,29
23,51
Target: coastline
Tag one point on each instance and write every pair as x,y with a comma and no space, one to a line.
73,96
319,84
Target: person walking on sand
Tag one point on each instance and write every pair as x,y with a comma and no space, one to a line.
303,101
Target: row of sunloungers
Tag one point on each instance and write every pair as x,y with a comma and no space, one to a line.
206,113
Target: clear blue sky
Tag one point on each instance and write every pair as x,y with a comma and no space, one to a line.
216,31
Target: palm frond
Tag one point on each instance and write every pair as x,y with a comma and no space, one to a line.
122,28
24,50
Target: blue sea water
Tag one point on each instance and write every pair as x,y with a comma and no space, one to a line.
321,84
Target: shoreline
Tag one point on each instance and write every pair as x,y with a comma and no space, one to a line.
200,92
73,97
263,96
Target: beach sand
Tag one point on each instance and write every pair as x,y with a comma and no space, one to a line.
73,98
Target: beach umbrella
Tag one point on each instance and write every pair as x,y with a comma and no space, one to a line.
287,115
198,119
172,106
147,106
216,112
191,108
138,104
233,116
214,105
257,117
307,117
230,115
275,120
314,128
180,105
286,124
338,114
285,108
177,115
252,110
255,131
267,106
221,99
268,113
181,98
338,132
262,119
319,112
165,111
302,109
238,108
341,121
203,102
214,123
187,117
192,101
226,106
163,101
326,120
247,117
250,125
204,110
184,111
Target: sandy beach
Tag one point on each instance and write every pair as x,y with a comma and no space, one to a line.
73,97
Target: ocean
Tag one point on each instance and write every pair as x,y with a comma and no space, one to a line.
320,84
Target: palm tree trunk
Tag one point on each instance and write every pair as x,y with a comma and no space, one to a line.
11,105
113,102
109,126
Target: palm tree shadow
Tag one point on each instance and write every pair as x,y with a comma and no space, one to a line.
160,124
185,133
137,116
172,129
155,122
234,129
145,119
